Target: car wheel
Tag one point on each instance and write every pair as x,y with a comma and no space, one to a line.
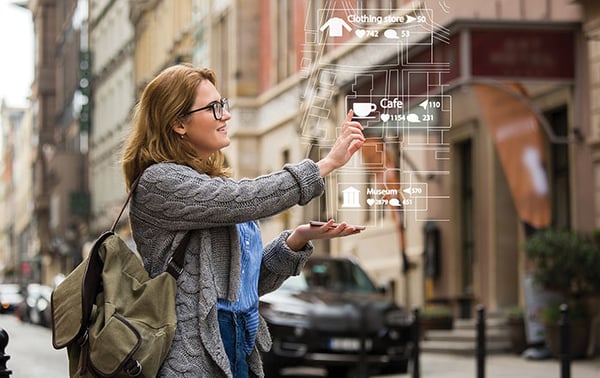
271,366
337,371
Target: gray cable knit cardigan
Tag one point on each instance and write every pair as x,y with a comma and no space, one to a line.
171,199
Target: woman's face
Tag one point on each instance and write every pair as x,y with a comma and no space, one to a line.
205,133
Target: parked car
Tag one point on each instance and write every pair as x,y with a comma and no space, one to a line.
10,298
328,315
35,307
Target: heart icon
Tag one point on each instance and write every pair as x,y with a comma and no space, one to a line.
370,201
385,117
360,33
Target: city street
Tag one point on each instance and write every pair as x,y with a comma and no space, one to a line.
500,366
32,355
439,365
31,352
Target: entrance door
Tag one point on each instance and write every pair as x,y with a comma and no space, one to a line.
559,170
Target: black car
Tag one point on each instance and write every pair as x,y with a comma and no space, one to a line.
333,316
35,307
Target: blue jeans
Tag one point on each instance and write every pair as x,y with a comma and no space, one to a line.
232,333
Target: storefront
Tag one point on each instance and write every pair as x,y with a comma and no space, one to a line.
509,131
518,155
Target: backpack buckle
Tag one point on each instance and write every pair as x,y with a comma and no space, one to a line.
174,269
133,370
82,340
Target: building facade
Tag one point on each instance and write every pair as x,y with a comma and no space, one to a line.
591,37
533,57
17,226
162,37
275,73
112,99
494,46
58,95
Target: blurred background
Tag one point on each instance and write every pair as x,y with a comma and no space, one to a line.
509,148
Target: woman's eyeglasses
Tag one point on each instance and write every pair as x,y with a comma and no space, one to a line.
216,106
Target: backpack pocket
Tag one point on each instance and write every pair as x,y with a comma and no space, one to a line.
113,347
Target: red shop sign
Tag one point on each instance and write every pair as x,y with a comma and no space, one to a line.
523,53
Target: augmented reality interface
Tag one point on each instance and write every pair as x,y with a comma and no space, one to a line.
360,57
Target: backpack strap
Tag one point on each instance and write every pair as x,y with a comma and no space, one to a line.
133,187
175,266
91,285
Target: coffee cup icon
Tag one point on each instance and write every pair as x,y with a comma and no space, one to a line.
363,109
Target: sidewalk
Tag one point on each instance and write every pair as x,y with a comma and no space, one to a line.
437,365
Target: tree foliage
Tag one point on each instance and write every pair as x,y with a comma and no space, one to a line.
566,261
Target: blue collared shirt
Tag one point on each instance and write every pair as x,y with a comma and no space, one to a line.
247,303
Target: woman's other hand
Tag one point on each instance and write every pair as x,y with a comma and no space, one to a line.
305,233
349,141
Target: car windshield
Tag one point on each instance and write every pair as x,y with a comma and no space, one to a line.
334,275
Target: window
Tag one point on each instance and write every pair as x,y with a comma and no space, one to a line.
559,170
283,39
465,152
221,53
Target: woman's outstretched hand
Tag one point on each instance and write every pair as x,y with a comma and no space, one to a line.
305,233
349,141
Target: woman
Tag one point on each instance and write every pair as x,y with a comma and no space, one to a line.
180,126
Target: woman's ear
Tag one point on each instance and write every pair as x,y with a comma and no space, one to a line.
179,128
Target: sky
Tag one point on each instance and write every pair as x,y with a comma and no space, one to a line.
16,47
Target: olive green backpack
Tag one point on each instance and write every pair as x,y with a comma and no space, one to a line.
113,318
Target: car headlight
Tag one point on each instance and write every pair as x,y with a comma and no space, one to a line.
284,314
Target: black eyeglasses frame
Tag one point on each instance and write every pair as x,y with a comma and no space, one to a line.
224,105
